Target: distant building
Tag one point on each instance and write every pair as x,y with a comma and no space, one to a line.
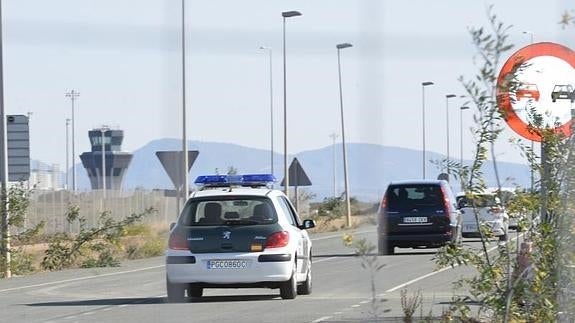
44,176
115,161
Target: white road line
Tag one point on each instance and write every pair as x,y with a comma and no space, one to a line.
355,306
80,279
324,259
393,289
365,302
321,319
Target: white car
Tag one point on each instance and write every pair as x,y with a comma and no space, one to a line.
490,212
236,232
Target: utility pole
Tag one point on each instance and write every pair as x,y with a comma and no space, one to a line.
5,228
73,95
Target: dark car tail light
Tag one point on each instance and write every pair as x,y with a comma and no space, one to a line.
383,202
445,201
277,239
177,241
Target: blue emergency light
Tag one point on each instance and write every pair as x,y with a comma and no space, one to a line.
240,180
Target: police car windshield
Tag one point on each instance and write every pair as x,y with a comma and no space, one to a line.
239,210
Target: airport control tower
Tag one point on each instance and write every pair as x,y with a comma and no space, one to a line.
115,162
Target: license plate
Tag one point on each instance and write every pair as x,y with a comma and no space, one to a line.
227,264
415,219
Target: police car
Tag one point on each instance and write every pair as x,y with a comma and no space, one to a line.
237,232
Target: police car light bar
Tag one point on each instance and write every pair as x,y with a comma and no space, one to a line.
242,180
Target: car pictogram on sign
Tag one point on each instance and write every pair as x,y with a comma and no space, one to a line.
527,91
563,91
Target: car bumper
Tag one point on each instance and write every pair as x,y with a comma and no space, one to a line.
419,240
260,267
496,228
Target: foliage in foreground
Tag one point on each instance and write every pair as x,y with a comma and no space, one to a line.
522,287
91,247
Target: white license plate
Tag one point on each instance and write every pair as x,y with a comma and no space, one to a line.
227,264
415,219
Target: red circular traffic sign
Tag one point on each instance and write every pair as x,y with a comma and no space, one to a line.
504,96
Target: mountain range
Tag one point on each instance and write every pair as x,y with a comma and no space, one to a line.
370,167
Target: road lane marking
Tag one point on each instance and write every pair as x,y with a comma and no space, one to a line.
393,289
321,319
324,259
355,306
79,279
365,302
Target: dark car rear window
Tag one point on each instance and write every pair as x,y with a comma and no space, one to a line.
401,197
241,210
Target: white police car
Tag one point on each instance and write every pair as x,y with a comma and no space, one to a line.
236,232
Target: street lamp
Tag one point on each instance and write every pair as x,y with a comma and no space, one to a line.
5,223
73,95
346,181
423,85
461,133
286,14
103,131
67,154
271,110
184,133
447,97
334,136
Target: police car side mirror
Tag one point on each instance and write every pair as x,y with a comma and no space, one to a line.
308,224
172,225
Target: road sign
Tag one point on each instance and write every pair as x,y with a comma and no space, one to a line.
297,176
172,162
533,79
18,138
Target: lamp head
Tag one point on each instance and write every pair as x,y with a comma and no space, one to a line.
288,14
343,45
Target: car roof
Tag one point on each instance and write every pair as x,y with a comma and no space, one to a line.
244,191
491,190
418,181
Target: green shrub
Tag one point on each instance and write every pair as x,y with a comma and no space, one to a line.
151,248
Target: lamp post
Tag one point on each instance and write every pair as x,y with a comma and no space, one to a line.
447,97
185,188
423,85
103,131
271,111
73,95
334,136
286,14
346,181
461,133
4,225
67,154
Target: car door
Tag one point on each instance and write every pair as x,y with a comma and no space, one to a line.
303,244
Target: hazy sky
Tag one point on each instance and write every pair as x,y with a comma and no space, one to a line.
124,57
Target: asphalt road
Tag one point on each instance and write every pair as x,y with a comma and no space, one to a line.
135,292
